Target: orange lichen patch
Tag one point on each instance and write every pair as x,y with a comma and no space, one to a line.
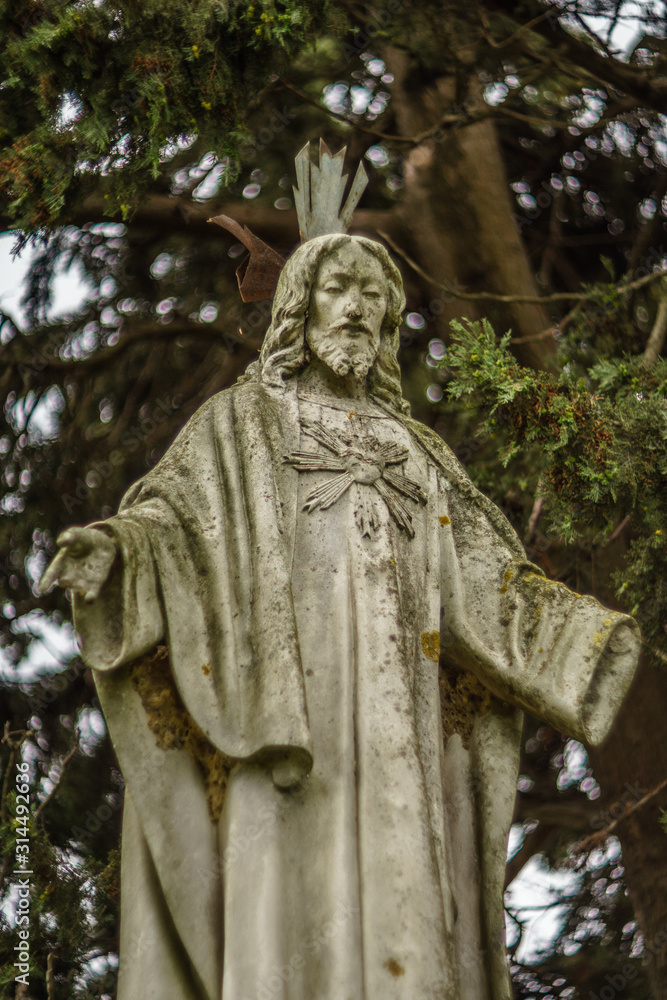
109,879
444,519
351,414
394,968
28,166
431,645
508,575
48,89
146,65
174,728
462,697
503,589
206,669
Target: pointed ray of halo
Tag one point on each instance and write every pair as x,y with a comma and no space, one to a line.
327,493
391,452
408,487
323,435
319,192
304,460
365,515
397,508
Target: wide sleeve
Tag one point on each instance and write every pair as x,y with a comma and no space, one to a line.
533,642
204,566
126,619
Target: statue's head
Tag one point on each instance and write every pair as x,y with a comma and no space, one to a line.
339,298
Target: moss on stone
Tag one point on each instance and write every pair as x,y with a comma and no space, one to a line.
174,728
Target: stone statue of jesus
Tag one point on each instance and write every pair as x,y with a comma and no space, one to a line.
353,631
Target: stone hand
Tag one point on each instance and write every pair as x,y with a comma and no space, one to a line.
83,563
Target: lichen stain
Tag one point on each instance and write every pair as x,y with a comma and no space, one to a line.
462,697
174,728
507,577
431,645
394,968
206,668
444,519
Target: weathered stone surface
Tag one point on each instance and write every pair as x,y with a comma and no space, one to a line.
173,727
322,774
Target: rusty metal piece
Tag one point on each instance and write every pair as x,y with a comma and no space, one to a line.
318,197
258,273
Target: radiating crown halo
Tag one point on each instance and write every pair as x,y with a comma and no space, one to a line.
318,197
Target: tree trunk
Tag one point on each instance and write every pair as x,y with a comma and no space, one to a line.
458,215
631,762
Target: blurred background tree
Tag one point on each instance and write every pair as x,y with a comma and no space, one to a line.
519,156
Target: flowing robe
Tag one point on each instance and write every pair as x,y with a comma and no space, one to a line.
296,638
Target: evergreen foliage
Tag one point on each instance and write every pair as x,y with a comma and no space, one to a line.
123,126
595,439
94,89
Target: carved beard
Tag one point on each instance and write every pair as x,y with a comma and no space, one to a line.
342,362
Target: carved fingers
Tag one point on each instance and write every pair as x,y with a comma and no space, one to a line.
83,563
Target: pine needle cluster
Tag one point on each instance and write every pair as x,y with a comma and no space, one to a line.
596,435
94,89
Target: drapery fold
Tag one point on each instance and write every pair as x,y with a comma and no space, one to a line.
205,563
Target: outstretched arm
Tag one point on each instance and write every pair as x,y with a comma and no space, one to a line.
110,571
83,562
533,642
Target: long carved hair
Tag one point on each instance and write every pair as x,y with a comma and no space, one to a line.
284,349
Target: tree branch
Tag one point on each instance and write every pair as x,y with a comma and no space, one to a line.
452,119
622,288
619,529
56,784
596,839
656,339
145,331
515,34
455,119
51,974
647,90
14,750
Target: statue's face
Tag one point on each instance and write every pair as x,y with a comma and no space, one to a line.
348,302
